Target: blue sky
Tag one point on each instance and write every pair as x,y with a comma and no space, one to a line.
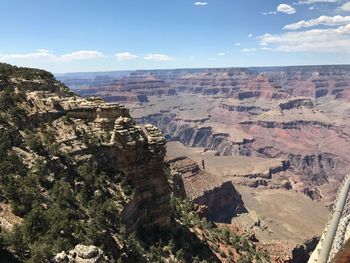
92,35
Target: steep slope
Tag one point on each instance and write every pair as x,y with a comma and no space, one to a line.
62,152
78,175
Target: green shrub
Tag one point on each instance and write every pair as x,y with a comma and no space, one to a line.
17,241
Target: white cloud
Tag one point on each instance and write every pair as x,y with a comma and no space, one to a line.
266,48
39,54
237,44
287,9
250,35
44,54
269,13
308,2
248,50
311,8
345,7
200,3
82,54
125,56
333,40
222,54
157,57
211,58
322,20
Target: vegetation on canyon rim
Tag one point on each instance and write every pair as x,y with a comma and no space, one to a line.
61,203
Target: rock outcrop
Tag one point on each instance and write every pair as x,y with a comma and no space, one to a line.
143,162
216,199
80,254
296,103
301,253
243,108
138,153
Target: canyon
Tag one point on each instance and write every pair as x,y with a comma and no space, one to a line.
81,181
264,149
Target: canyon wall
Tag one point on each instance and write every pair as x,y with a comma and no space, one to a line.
243,83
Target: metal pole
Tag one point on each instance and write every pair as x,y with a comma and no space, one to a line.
333,226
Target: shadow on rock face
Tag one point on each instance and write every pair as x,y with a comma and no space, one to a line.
221,204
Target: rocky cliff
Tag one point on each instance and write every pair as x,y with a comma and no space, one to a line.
137,152
85,150
80,181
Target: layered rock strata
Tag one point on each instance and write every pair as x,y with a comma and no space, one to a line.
195,135
137,152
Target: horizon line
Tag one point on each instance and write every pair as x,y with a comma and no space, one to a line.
200,68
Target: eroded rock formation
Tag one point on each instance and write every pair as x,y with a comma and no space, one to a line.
137,152
197,135
216,199
270,82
